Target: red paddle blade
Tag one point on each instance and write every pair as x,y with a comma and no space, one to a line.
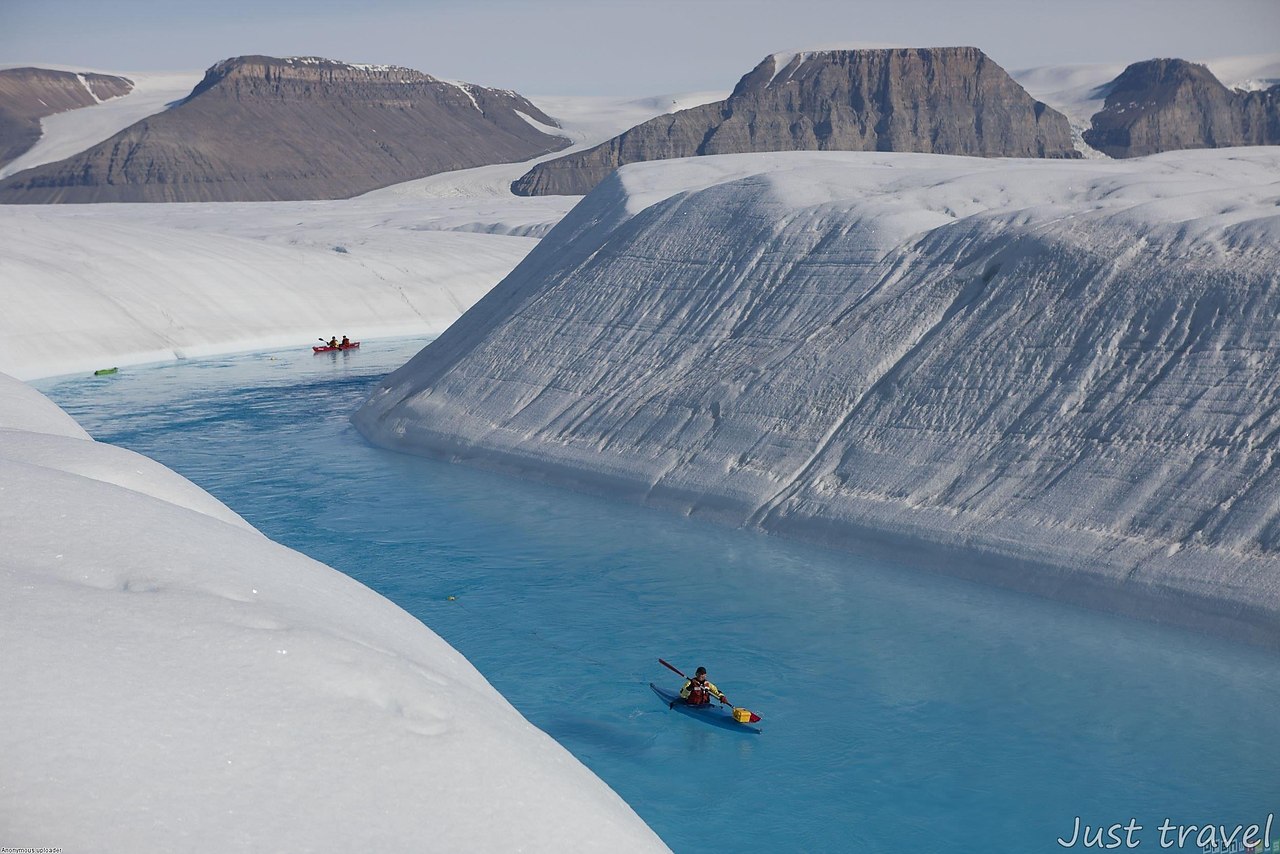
755,718
670,667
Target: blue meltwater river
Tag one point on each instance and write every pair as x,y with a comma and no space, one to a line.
903,711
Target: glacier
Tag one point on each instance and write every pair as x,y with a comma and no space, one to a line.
1059,377
174,680
93,286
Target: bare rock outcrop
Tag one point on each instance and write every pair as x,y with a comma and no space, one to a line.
1167,104
261,128
951,100
29,94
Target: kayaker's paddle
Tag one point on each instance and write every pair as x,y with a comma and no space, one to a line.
672,667
738,712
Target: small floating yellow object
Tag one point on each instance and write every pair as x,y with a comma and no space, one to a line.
452,598
102,372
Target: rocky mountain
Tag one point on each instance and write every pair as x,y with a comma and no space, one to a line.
29,94
262,128
1057,377
1168,104
952,100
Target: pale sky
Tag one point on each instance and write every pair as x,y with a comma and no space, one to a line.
616,47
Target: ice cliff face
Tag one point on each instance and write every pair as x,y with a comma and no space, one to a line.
262,128
1060,377
29,94
253,698
951,100
1167,104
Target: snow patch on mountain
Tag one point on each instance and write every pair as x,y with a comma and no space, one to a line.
71,132
1056,376
466,90
88,88
782,60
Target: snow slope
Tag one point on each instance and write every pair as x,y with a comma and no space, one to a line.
1057,376
91,286
176,681
65,134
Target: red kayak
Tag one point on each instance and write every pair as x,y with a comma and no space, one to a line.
354,345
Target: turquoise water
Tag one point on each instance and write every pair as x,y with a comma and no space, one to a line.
902,710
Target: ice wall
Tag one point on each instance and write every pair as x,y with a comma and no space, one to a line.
1060,377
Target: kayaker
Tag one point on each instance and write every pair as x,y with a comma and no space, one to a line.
346,342
698,691
333,342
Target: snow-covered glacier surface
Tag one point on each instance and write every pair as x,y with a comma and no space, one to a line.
1056,376
174,680
93,286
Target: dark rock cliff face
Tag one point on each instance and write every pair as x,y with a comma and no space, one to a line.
29,94
951,100
1166,104
260,128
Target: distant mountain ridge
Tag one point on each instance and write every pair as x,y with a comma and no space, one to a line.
1166,104
951,100
264,128
29,94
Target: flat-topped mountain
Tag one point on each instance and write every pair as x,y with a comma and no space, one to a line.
261,128
951,100
1166,104
29,94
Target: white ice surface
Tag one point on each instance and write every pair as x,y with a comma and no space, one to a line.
65,134
93,286
175,681
1059,376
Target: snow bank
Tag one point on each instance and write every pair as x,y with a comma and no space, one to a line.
176,681
92,286
1056,376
